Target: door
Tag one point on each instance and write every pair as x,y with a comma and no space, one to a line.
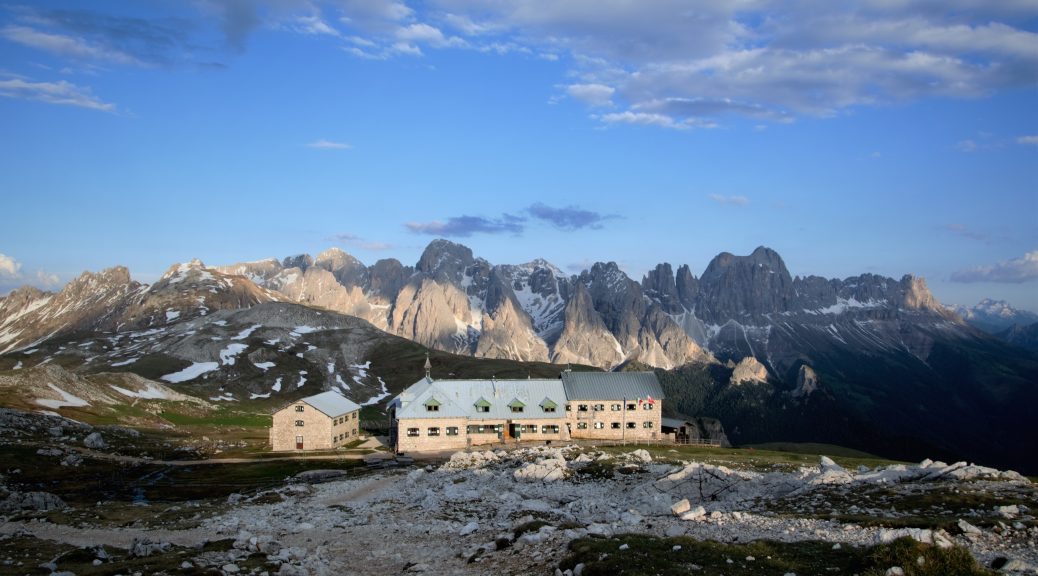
299,442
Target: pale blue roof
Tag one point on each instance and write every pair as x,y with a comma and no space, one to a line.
331,403
458,398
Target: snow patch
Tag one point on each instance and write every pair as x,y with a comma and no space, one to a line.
302,379
172,315
305,329
191,372
228,355
264,365
67,400
125,362
150,392
277,385
376,399
246,332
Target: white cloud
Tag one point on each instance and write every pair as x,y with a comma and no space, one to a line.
323,144
1013,271
1032,140
65,45
62,92
643,118
47,280
9,267
730,200
11,276
671,61
593,94
425,34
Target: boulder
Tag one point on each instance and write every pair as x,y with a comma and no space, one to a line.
680,507
95,441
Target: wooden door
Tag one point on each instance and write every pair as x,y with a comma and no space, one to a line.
299,442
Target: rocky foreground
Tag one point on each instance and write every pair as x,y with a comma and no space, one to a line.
497,512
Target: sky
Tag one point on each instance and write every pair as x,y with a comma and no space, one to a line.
884,136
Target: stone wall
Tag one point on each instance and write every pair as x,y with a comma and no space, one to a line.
319,432
615,413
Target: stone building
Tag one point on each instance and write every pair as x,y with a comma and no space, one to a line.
320,422
450,414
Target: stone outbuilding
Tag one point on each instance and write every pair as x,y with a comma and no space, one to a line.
321,422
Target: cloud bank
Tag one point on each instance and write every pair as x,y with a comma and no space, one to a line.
1014,271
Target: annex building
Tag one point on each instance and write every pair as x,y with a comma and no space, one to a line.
320,422
450,414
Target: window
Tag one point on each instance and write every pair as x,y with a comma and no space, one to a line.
549,408
581,407
647,406
615,407
567,408
412,432
599,425
482,408
335,421
598,407
647,424
615,425
452,430
299,408
433,431
549,429
299,422
632,406
581,425
516,408
630,425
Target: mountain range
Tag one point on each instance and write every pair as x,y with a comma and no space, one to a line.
871,361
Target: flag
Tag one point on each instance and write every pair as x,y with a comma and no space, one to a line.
651,401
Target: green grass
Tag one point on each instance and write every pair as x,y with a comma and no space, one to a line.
744,458
830,450
649,555
220,418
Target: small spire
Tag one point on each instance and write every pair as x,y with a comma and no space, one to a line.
428,366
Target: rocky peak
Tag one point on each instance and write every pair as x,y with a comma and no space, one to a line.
745,288
387,276
916,295
444,260
301,261
687,286
347,270
20,296
659,284
749,370
115,277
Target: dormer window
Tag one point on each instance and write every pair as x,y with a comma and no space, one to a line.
482,405
547,405
516,405
432,405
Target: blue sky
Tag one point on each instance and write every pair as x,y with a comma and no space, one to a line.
883,136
